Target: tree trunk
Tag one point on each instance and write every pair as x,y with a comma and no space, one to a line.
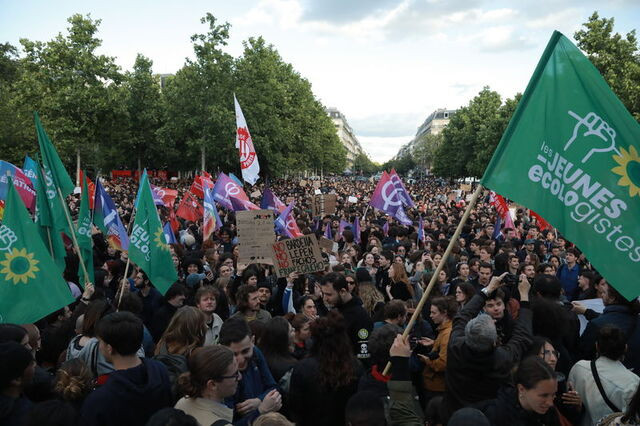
139,165
202,165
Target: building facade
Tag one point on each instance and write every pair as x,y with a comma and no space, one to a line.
433,124
346,135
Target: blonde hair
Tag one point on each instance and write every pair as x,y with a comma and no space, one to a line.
272,419
73,381
370,296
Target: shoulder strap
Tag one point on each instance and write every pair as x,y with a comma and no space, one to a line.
594,371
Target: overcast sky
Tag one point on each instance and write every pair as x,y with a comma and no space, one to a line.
386,64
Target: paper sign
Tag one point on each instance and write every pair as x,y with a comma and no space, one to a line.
255,236
465,187
316,184
328,245
323,204
352,199
300,255
256,193
317,192
303,182
596,305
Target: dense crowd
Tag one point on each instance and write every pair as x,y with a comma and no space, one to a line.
499,340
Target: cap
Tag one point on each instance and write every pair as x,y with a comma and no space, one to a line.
530,241
193,279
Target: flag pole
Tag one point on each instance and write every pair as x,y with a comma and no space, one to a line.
126,268
434,277
73,236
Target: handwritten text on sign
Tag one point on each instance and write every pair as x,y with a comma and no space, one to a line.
300,254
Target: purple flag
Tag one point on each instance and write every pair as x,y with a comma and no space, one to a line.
402,190
327,232
356,230
386,198
226,187
316,224
496,228
342,227
285,223
271,201
385,228
420,230
241,205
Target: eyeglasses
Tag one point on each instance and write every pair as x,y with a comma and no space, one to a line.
237,375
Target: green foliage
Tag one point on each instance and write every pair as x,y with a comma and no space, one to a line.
289,126
74,89
362,164
616,57
472,135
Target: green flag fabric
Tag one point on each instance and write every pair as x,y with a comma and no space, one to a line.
31,286
44,219
54,169
83,233
570,153
147,246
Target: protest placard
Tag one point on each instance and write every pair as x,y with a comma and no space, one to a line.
317,184
300,255
465,187
328,245
303,182
256,193
324,204
352,199
255,236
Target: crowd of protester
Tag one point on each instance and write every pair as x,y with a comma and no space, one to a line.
498,341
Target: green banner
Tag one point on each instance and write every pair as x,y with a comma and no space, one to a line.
147,246
83,234
31,286
570,153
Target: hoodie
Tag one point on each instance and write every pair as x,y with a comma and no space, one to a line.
130,397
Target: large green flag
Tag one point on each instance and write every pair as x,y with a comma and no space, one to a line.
570,153
147,246
83,234
54,169
55,176
44,219
31,286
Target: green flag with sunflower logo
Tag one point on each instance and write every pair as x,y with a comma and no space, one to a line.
31,285
570,153
147,246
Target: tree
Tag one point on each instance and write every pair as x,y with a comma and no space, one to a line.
425,149
75,90
364,165
289,126
14,139
472,135
616,57
198,101
144,108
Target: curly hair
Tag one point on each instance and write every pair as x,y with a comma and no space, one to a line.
333,351
73,380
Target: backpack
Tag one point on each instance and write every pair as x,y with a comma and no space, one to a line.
176,365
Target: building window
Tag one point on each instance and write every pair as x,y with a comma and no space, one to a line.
446,114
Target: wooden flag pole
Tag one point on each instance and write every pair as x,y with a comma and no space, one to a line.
434,277
73,236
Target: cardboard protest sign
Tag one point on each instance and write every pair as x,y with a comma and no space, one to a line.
300,255
465,187
255,236
303,182
328,245
324,204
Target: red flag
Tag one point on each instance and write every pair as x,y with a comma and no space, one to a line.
201,182
173,220
91,187
542,224
498,201
190,208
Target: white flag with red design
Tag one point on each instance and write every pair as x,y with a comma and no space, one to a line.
248,158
